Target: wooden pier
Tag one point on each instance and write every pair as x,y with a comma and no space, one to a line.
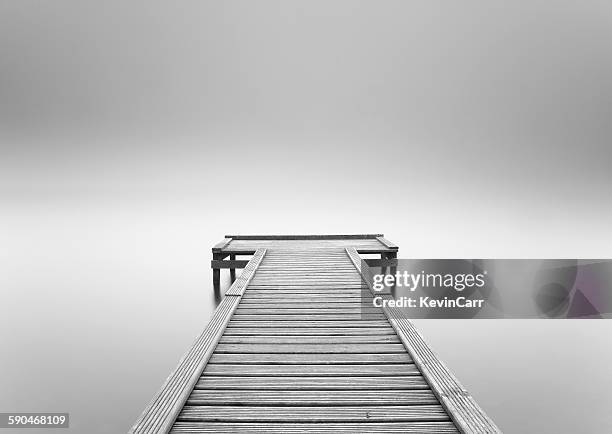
290,349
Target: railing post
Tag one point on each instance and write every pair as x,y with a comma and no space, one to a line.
232,270
217,273
383,256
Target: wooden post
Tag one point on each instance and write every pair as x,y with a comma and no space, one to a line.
393,255
232,270
383,269
217,273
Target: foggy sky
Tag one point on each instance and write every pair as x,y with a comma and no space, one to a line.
134,135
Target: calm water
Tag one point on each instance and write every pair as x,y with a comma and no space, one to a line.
132,138
99,303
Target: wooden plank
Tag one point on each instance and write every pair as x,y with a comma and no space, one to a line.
381,262
305,237
330,291
308,331
355,305
297,287
295,270
251,249
320,359
312,397
228,263
298,305
306,298
349,300
161,412
310,317
304,246
318,428
385,242
311,383
463,409
336,285
306,282
308,261
282,280
306,370
315,295
303,311
221,245
311,301
310,348
396,413
328,276
303,340
326,281
292,249
240,284
237,322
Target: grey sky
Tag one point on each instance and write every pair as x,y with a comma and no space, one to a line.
133,135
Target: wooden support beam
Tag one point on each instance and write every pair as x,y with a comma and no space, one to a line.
252,250
231,264
385,242
222,244
216,272
304,237
381,262
233,269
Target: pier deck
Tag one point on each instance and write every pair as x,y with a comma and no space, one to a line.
290,349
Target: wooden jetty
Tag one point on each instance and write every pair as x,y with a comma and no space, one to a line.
289,349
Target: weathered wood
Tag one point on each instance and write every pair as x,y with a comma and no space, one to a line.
311,383
306,370
303,351
228,263
312,397
237,322
314,358
344,304
233,269
239,286
221,244
381,262
281,293
318,428
303,340
307,299
397,413
304,237
460,405
216,272
310,348
308,287
310,317
386,242
296,247
303,311
308,331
